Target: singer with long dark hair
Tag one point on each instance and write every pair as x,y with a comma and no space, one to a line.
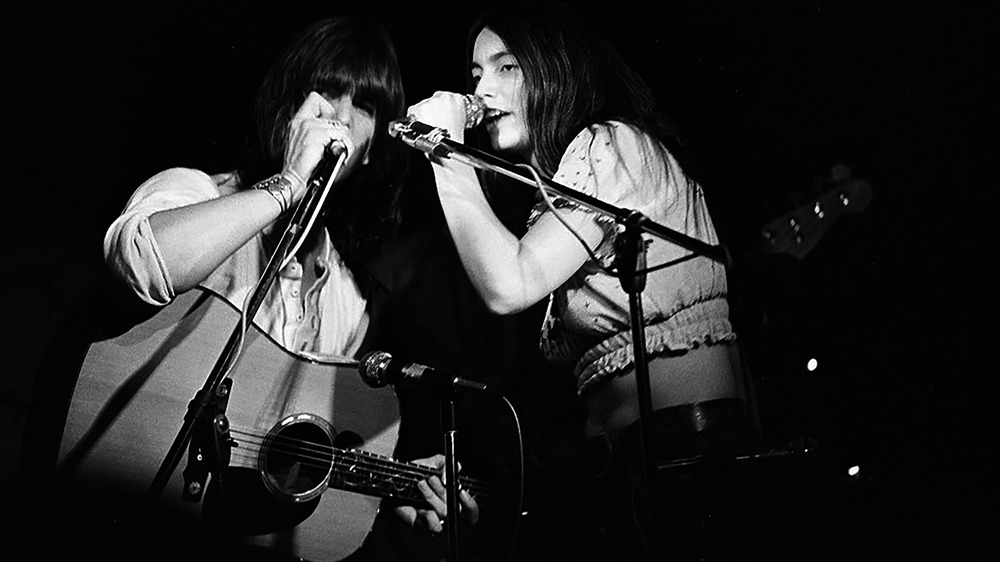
334,89
559,98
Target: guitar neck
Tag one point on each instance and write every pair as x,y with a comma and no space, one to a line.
798,232
367,473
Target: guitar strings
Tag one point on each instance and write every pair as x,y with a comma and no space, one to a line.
321,457
373,465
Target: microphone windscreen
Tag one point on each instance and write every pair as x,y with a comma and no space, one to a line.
338,147
475,109
373,367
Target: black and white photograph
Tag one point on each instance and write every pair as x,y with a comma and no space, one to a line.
527,280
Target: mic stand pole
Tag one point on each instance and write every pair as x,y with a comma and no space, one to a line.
205,405
450,473
630,258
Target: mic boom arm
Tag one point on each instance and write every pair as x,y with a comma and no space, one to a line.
435,141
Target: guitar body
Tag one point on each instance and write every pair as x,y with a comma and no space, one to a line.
131,398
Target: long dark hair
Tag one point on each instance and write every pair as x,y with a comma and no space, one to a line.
573,77
336,56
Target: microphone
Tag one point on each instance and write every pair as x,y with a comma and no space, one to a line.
378,369
335,151
336,148
431,139
475,110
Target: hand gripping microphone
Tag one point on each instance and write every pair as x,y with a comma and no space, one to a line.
335,151
378,369
432,140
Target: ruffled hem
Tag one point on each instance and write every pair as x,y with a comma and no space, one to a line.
614,355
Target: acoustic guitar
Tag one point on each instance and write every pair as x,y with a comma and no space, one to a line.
307,445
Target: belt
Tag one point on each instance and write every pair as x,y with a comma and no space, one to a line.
688,431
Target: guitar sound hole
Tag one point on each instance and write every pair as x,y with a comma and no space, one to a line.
297,458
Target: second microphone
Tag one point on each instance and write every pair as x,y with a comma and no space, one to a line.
378,369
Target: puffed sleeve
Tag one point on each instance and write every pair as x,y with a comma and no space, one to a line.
615,163
131,251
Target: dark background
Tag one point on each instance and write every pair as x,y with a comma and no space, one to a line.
894,301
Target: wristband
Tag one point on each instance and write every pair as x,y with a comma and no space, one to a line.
279,187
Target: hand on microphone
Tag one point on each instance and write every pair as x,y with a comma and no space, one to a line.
449,111
323,129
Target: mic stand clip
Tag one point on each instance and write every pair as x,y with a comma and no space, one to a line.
211,445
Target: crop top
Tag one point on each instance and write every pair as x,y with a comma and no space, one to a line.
587,324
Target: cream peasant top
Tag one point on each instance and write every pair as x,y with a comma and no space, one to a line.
587,324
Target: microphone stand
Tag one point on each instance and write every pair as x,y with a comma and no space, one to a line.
205,417
450,473
630,258
629,248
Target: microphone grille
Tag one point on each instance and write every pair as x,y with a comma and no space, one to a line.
373,367
475,108
338,148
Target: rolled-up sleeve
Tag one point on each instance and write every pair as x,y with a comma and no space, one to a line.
130,249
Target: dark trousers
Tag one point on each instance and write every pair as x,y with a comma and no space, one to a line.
689,510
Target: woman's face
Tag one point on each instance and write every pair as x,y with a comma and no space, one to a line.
500,82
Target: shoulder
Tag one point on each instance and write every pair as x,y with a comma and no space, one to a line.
194,178
180,174
179,178
190,181
176,187
610,139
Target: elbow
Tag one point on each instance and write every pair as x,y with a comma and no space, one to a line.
503,308
134,266
504,293
505,303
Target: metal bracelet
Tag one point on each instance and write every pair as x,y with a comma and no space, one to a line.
279,187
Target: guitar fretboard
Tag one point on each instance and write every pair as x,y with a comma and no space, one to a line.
362,472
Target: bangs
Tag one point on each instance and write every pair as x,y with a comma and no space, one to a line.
370,92
368,79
